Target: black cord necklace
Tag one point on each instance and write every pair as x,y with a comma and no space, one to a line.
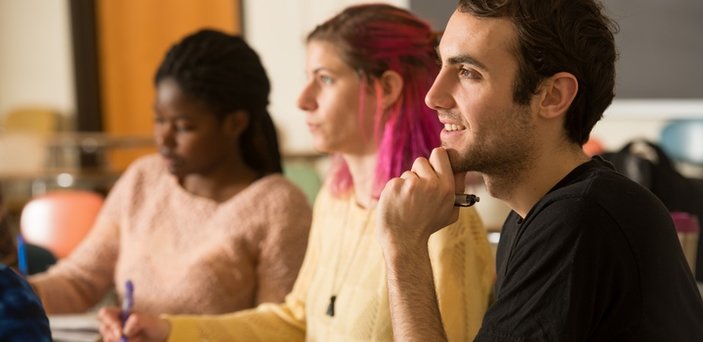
330,307
336,287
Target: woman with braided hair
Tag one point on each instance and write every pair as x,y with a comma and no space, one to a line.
208,225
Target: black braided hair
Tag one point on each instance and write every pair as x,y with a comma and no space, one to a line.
226,74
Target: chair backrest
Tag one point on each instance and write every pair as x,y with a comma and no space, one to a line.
59,220
35,120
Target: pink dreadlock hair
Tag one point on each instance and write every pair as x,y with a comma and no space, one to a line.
372,39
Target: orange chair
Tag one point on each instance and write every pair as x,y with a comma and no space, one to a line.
59,220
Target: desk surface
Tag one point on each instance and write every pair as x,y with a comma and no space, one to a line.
75,328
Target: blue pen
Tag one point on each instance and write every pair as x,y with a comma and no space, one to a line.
127,304
22,256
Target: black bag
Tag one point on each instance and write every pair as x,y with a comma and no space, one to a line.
654,170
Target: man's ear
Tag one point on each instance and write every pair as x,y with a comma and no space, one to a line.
391,85
235,123
556,94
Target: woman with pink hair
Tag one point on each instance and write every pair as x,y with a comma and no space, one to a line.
368,69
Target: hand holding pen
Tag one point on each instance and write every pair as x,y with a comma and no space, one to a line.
421,201
138,327
127,305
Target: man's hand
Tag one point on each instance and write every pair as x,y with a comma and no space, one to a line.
418,203
410,209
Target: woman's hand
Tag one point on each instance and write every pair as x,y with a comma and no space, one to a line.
140,327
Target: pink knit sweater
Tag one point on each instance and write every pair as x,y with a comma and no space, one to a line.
184,254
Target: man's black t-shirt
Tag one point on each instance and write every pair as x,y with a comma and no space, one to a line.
596,259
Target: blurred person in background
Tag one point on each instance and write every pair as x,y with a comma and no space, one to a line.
208,225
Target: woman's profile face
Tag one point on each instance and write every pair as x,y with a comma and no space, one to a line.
331,99
190,138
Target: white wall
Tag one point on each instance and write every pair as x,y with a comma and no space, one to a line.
277,29
36,65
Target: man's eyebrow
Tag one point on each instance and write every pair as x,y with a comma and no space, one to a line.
465,59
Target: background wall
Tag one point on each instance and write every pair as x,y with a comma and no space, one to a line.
660,44
36,66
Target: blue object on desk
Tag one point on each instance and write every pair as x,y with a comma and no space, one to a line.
22,256
32,259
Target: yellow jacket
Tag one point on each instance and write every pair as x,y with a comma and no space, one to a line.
344,259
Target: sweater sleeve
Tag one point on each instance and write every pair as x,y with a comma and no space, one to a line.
463,269
81,280
268,322
84,278
283,249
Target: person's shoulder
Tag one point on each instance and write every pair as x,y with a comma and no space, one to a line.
597,200
151,163
276,188
569,208
615,192
21,312
144,170
592,185
10,280
7,277
276,184
600,176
